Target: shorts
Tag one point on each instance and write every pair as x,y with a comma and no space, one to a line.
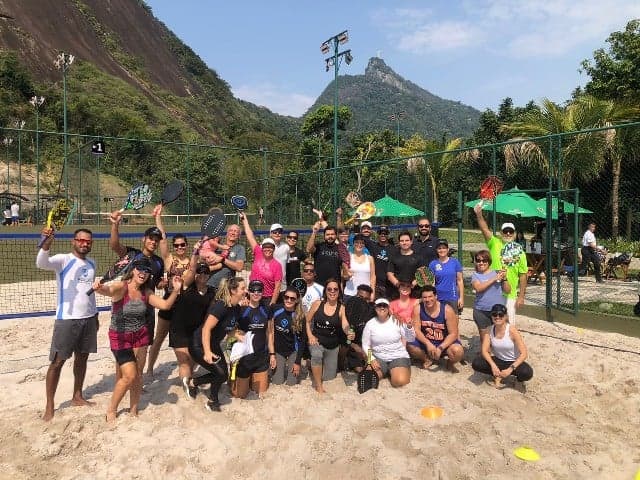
123,356
419,344
165,314
482,318
15,219
74,336
256,362
328,358
179,336
386,367
124,340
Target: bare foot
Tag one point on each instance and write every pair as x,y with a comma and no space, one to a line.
133,411
48,415
427,363
497,382
81,402
320,389
452,367
110,417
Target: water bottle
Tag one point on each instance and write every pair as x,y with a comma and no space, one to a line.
351,330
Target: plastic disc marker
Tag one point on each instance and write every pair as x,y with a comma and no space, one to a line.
526,453
432,412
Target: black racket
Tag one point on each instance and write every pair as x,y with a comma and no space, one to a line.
56,218
213,224
118,269
171,192
300,285
368,378
240,203
137,198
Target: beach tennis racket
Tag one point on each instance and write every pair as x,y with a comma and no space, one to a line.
137,198
343,253
368,378
364,211
172,191
56,218
490,188
353,199
300,285
239,202
510,253
118,269
213,224
424,276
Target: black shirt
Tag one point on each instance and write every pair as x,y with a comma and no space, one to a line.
293,264
227,320
381,254
327,262
426,250
404,266
358,312
255,320
288,341
157,264
190,308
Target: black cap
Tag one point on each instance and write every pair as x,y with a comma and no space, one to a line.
202,268
153,232
255,285
442,241
383,229
142,264
499,308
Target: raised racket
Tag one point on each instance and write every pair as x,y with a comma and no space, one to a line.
240,203
368,378
118,269
364,211
322,217
57,217
424,276
510,253
213,224
137,198
300,285
353,199
490,188
343,253
172,191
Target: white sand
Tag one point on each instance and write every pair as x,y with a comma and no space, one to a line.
581,412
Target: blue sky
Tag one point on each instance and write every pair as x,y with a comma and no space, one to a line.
475,51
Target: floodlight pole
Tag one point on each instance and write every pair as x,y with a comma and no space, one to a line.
63,62
19,126
37,102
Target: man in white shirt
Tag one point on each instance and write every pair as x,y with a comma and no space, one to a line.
589,253
76,326
281,253
314,289
15,213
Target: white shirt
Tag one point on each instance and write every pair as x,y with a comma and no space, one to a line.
313,293
281,254
588,238
15,210
385,339
360,274
74,277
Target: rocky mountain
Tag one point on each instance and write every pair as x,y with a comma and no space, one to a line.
381,92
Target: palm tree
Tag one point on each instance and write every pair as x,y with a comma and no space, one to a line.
582,155
439,160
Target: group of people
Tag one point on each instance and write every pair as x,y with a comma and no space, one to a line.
352,300
11,215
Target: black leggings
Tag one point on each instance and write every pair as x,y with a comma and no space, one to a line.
218,371
523,372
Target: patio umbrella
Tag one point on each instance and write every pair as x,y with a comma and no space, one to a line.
390,207
568,208
511,202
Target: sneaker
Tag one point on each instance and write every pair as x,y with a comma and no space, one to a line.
213,406
189,391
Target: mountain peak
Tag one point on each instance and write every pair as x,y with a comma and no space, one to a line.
376,68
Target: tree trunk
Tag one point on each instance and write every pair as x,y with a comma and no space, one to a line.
616,162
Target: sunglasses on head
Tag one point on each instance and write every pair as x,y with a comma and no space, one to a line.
290,298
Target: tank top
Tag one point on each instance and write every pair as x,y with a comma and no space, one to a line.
128,315
175,267
327,327
503,348
361,274
403,311
435,329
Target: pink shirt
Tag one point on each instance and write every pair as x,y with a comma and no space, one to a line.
268,272
403,312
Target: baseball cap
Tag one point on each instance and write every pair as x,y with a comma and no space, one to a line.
507,225
276,226
153,232
383,229
499,308
268,241
442,241
366,224
255,286
142,264
202,268
382,301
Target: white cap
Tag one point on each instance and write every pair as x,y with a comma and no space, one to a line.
268,241
382,301
507,225
276,226
366,224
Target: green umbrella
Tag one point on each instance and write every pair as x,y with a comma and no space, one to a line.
568,208
390,207
511,202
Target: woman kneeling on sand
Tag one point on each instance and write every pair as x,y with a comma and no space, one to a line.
128,333
385,337
509,350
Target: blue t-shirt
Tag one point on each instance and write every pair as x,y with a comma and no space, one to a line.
446,275
492,295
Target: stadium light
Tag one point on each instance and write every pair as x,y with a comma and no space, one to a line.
334,61
37,102
7,141
62,62
19,124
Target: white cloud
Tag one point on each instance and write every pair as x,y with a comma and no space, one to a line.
448,35
275,99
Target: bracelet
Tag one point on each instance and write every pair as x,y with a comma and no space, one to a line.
513,367
271,354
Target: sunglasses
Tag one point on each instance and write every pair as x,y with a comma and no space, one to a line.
254,290
308,270
179,245
496,315
382,305
482,260
424,226
143,269
277,230
508,231
333,290
292,238
383,232
290,298
82,240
